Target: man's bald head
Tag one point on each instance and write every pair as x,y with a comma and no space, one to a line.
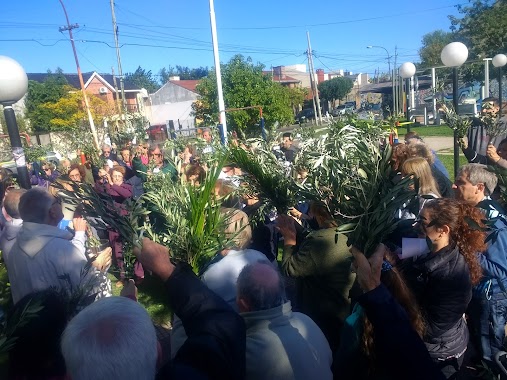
11,202
260,287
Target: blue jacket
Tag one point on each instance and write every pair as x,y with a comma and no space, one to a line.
494,263
439,165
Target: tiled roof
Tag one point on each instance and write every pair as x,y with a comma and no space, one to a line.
189,84
73,79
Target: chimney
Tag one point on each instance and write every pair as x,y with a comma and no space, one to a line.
176,77
320,75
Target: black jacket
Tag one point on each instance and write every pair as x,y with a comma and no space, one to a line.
442,285
444,184
216,344
395,339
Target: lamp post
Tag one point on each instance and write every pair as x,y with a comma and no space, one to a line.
407,71
13,86
454,55
499,61
387,52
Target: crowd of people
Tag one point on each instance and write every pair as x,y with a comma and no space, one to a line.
323,310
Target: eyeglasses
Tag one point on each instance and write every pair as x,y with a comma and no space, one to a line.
421,225
46,169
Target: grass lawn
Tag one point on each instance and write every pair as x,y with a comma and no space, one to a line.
152,295
448,161
422,130
429,130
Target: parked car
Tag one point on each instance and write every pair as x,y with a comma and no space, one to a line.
305,115
371,112
342,110
7,162
351,104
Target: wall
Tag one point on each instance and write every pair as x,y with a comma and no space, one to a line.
172,93
94,87
170,102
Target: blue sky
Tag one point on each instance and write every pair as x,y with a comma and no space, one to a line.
271,32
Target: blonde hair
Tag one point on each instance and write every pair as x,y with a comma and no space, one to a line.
420,168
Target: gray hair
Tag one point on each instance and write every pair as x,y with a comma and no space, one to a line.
34,205
153,146
113,338
258,289
11,202
238,227
105,146
478,173
420,149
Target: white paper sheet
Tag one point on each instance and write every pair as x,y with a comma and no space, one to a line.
411,247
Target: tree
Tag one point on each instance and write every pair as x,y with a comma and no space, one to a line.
21,121
143,79
51,90
335,89
244,85
68,114
297,97
432,45
183,72
483,29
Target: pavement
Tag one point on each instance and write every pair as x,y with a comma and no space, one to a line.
440,144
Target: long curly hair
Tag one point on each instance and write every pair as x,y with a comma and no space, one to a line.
467,230
395,282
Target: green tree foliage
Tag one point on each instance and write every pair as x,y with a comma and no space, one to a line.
432,45
22,124
142,78
184,72
68,114
297,96
483,29
51,90
244,85
335,89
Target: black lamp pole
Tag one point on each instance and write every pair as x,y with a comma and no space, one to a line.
17,148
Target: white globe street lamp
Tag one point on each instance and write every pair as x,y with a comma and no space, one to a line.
454,55
407,71
499,61
13,86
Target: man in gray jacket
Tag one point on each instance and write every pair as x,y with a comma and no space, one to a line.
43,256
280,344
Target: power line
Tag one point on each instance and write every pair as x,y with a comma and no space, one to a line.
392,15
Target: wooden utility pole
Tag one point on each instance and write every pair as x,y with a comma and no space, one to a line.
312,77
69,27
117,101
118,58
